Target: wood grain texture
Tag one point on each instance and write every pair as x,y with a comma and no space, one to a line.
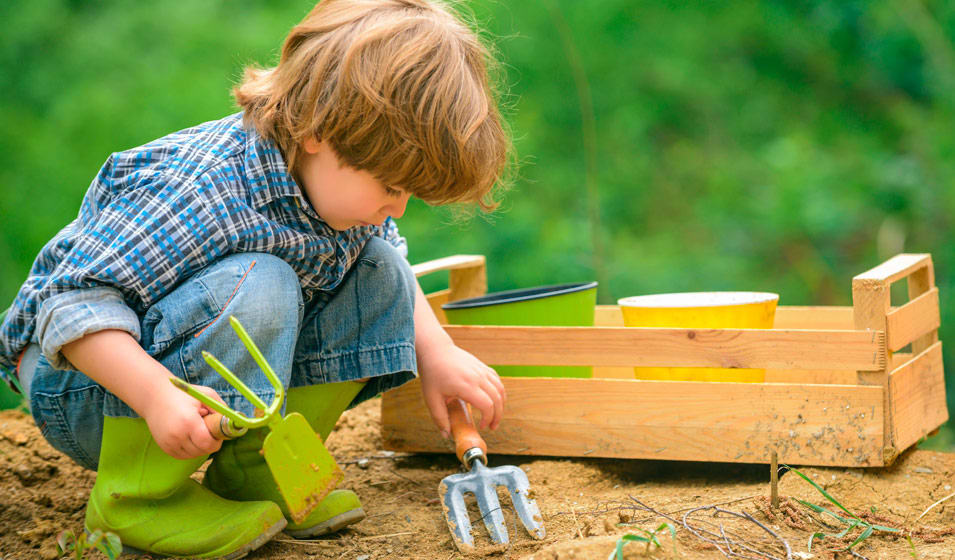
870,305
622,346
830,317
918,397
896,268
913,320
824,317
920,282
467,282
453,262
436,300
721,422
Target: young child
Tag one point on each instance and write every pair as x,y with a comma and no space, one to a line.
282,216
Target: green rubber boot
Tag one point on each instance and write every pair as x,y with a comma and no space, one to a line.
239,472
148,499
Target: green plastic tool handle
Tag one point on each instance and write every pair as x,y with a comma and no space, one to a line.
236,421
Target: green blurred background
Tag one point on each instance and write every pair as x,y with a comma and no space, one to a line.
779,146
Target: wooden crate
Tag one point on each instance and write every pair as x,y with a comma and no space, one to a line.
847,386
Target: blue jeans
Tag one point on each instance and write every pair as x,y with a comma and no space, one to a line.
364,329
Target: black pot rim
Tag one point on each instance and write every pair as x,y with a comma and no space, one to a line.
521,294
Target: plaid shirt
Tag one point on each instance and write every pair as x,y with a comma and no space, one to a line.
159,213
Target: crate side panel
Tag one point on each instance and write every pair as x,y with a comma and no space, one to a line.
661,347
815,376
918,397
718,422
827,317
814,317
436,300
913,320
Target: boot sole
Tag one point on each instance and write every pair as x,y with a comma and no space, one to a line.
331,525
240,553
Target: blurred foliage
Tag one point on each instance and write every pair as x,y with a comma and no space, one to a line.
777,146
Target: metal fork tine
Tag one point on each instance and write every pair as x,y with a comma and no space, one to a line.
491,513
527,510
457,516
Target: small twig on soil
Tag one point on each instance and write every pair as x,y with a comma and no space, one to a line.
373,537
929,508
774,481
386,455
308,542
650,518
729,552
580,533
399,496
396,473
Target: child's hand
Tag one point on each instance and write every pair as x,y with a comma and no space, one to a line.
114,359
175,421
449,372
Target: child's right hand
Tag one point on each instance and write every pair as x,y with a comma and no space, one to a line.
115,360
176,422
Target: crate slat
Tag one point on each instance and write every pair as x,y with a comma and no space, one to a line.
896,268
827,317
830,317
918,397
920,282
721,422
454,262
913,320
721,348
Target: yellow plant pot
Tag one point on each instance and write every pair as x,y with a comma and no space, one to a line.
701,310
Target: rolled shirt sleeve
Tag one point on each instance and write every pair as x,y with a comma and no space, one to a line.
69,316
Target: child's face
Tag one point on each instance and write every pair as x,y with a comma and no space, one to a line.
342,196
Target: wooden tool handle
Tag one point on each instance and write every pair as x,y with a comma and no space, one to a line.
463,430
220,427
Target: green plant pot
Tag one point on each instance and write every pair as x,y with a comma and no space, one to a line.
563,305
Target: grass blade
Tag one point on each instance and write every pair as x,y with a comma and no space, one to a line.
820,536
820,509
865,534
624,540
821,491
845,531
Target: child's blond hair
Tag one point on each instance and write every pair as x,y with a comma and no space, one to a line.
399,88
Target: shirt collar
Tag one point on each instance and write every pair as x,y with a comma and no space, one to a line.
269,179
268,175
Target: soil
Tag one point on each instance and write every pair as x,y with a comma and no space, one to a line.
587,505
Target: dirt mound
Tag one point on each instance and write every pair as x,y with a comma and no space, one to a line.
587,504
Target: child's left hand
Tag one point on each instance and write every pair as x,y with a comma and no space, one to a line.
449,372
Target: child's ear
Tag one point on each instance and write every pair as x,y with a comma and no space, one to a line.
312,144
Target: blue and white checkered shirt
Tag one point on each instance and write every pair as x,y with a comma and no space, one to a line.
157,214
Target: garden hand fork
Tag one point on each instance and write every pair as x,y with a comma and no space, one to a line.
304,471
483,482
